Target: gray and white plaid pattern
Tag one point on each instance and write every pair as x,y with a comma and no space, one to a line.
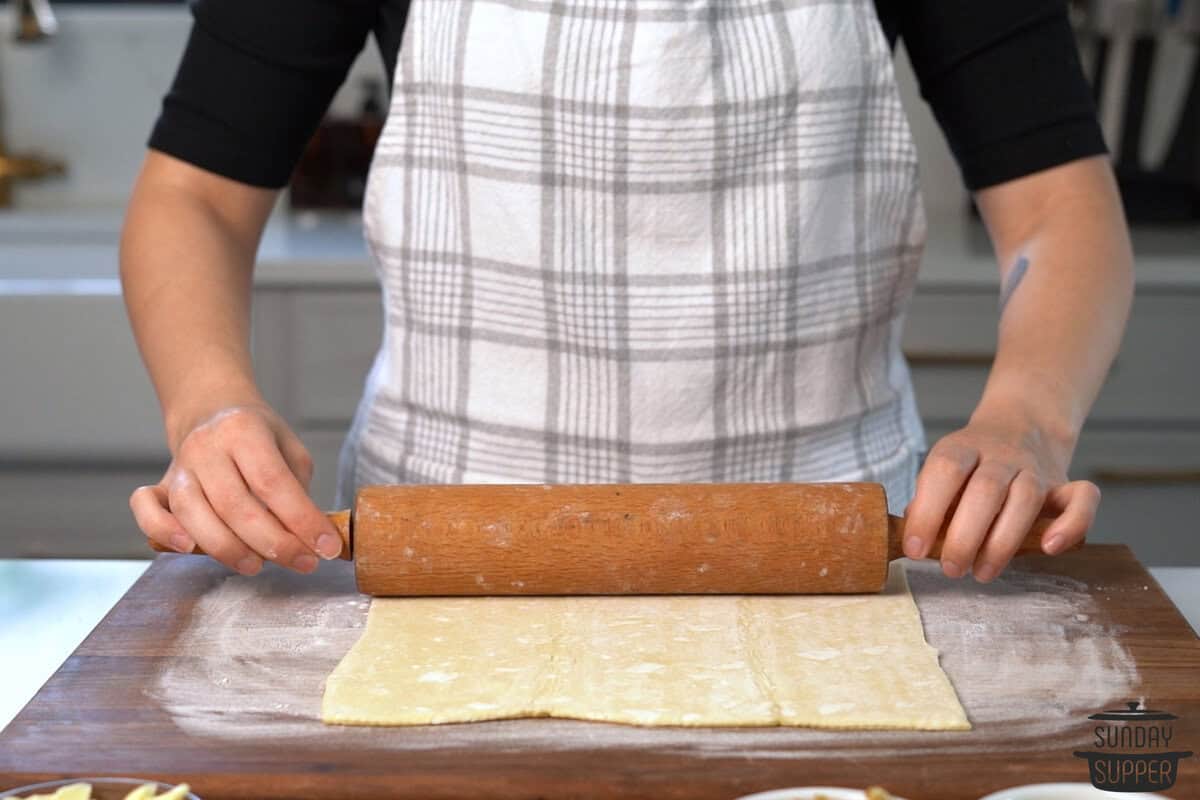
641,241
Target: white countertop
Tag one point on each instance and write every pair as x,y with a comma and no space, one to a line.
49,606
76,253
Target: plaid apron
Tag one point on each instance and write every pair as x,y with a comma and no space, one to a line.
641,241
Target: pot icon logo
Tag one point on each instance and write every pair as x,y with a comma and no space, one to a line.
1133,750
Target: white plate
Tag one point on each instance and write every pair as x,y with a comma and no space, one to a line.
102,788
1066,791
810,793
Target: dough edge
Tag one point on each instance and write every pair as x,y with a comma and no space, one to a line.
347,701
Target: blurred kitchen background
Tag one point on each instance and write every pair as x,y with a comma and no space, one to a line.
81,83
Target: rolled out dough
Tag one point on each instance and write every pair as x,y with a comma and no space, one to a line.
833,661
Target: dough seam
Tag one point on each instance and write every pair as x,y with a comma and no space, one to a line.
839,662
758,669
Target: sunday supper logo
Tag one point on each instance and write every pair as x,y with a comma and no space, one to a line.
1132,750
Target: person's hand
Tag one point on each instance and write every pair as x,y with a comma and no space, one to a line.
990,480
238,487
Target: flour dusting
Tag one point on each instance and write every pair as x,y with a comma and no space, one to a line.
1028,656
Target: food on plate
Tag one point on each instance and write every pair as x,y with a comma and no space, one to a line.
83,791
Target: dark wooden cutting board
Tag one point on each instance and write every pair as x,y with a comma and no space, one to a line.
213,679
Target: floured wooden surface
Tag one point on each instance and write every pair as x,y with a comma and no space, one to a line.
1027,655
817,661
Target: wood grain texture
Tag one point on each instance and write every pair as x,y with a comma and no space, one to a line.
95,716
421,540
683,538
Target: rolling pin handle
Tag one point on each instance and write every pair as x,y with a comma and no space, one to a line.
342,521
1032,543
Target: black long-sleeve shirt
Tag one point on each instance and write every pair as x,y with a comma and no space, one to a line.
1003,79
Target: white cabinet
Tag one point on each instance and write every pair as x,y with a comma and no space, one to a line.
314,343
312,350
1150,490
57,510
1141,443
950,340
72,385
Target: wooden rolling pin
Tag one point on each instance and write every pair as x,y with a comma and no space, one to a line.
628,538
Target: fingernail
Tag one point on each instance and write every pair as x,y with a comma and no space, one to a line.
985,573
1052,544
913,547
329,546
304,562
182,543
952,569
250,565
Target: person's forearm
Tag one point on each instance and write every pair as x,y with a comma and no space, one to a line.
186,270
1065,299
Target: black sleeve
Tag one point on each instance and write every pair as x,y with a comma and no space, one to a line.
1003,79
254,81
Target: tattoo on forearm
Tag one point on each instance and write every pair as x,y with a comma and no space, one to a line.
1014,278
